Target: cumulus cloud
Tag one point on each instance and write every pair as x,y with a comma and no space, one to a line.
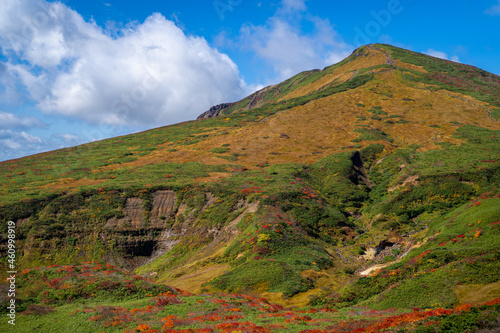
12,121
441,55
145,74
494,10
10,139
283,44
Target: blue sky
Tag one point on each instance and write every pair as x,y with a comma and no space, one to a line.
77,71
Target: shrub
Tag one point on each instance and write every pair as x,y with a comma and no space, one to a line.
377,110
371,134
220,150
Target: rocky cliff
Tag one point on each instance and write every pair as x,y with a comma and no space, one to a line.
143,229
215,111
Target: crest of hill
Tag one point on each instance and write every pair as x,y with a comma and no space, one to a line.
371,58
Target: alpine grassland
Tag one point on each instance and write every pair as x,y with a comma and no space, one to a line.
363,197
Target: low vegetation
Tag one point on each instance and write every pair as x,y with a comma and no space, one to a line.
350,199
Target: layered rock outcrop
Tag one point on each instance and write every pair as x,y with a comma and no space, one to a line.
215,111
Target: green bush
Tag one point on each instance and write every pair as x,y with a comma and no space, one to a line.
220,150
377,110
371,134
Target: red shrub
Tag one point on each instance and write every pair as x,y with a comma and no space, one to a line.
167,299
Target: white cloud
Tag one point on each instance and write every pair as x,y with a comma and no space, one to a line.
21,141
147,74
441,55
437,54
10,121
281,43
67,140
293,5
18,143
494,10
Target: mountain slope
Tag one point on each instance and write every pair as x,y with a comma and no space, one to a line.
388,98
289,193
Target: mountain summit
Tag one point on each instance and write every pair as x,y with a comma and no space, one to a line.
371,182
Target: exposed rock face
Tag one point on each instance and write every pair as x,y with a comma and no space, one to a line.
210,200
134,216
392,242
163,205
215,111
395,238
258,97
140,238
256,100
144,231
167,240
143,235
227,233
169,237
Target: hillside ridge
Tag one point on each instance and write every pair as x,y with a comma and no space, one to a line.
225,108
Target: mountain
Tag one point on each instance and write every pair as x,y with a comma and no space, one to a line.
367,186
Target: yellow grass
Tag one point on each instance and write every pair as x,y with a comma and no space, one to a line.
213,176
192,282
477,293
67,183
341,74
326,125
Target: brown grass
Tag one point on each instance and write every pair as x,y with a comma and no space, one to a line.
324,126
342,74
66,183
213,176
399,63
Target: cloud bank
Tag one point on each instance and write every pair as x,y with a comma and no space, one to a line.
146,74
